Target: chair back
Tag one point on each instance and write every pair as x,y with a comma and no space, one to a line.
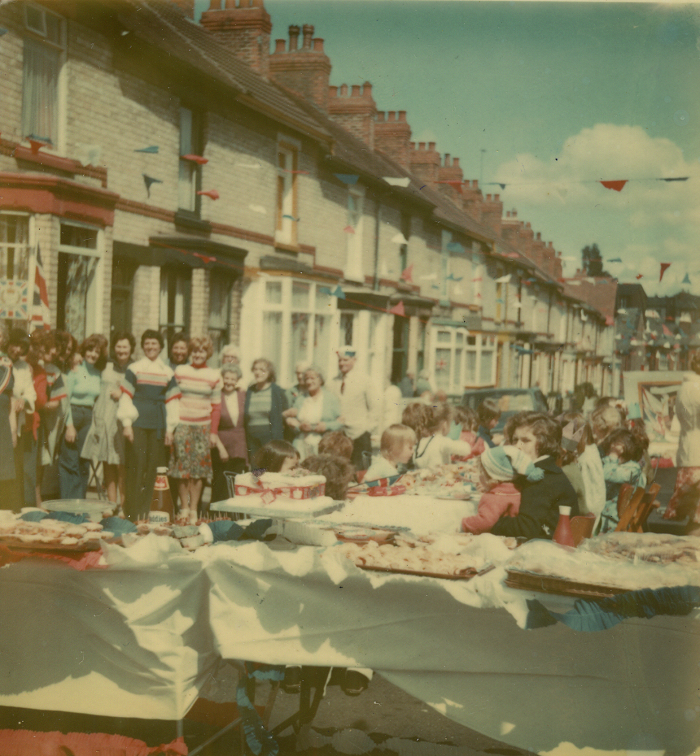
230,480
582,527
623,498
635,514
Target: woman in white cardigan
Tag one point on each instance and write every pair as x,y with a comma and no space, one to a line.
686,495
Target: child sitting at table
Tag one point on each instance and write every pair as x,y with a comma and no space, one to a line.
336,443
488,414
431,425
337,471
396,448
624,450
498,467
538,436
276,456
466,417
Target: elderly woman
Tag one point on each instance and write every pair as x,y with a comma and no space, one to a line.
230,453
314,414
83,386
196,432
686,495
299,388
265,403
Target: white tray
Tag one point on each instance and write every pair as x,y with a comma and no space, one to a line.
238,504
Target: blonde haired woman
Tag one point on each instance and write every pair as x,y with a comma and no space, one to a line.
196,433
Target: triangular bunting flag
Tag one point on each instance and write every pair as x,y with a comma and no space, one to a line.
338,292
211,193
452,277
152,150
686,280
399,239
614,259
398,310
149,181
36,143
504,279
639,275
346,178
663,267
616,186
407,274
195,159
291,217
455,247
678,178
349,230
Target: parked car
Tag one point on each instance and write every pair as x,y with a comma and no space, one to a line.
510,401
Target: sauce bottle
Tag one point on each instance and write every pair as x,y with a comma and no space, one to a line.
161,503
563,534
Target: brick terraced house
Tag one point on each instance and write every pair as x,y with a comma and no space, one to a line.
181,175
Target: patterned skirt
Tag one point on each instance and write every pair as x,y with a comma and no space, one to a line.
191,455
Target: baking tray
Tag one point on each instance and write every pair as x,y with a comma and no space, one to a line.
468,574
17,545
529,581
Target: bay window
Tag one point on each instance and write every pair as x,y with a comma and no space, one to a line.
15,292
463,360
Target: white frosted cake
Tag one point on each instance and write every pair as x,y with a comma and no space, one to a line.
286,485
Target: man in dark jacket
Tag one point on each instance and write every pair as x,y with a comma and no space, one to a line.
538,436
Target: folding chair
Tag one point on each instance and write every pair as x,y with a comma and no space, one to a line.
95,480
635,515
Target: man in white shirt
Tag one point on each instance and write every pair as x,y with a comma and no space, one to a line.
360,406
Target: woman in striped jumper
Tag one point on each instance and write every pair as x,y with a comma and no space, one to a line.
196,433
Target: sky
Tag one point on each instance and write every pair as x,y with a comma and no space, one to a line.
549,99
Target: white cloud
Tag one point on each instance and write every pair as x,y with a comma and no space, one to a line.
648,222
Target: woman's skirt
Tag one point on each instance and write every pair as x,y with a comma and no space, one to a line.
191,455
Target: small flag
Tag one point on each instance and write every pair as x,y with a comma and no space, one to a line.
291,217
639,275
349,230
149,181
678,178
152,150
399,239
338,292
504,279
407,274
614,259
404,182
662,269
346,178
195,159
398,310
36,143
41,314
616,186
452,277
211,193
686,280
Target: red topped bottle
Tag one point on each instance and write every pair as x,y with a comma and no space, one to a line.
162,502
563,534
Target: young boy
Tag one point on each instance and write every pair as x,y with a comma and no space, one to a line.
500,498
396,447
538,436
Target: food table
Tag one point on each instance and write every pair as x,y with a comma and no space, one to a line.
138,638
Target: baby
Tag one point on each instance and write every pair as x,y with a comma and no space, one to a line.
396,447
498,466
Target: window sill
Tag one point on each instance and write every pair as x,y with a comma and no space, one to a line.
292,249
186,220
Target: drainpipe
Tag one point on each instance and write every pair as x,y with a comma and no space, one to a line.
377,224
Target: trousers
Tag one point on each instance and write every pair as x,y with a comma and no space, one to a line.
142,458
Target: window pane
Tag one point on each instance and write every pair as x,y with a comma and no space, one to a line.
346,329
272,337
300,295
457,377
470,369
41,68
14,249
323,300
460,337
273,292
219,300
76,274
486,367
78,236
300,337
322,339
444,337
442,369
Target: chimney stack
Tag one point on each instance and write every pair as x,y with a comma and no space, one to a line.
425,163
472,199
244,28
356,112
392,136
306,70
492,212
450,177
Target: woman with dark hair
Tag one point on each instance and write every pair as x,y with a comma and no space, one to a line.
265,403
105,441
83,387
230,453
539,437
149,411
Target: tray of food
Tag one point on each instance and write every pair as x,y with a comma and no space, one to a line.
66,543
467,574
530,581
352,534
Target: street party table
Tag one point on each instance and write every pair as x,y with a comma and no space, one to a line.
139,637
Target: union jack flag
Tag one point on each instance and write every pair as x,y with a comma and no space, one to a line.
41,315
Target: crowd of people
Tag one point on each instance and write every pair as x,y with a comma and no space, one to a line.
70,412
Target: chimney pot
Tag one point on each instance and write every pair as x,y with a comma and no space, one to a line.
412,145
455,162
514,213
367,89
527,225
507,213
447,160
280,45
496,197
475,184
421,145
539,236
215,5
391,115
488,198
308,32
343,90
431,146
402,116
380,116
293,38
332,91
355,90
318,44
